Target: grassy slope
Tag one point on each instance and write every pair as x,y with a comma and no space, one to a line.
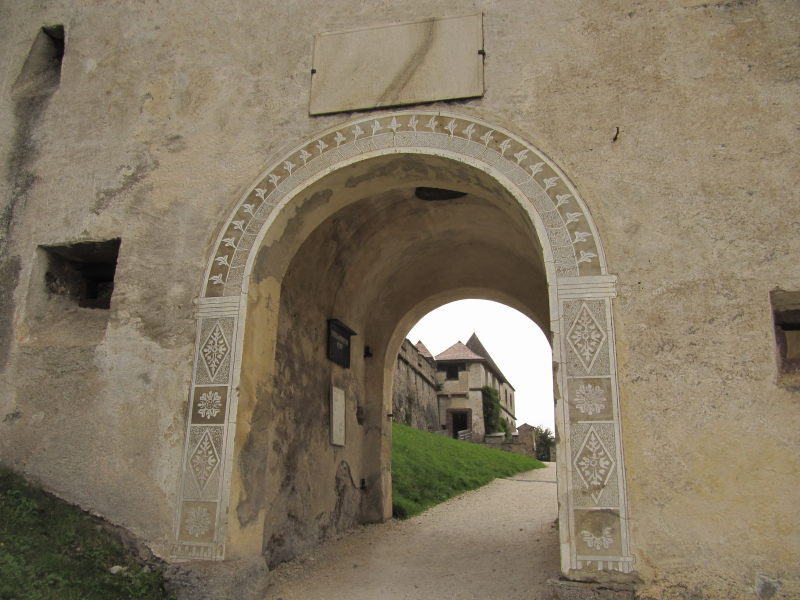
428,469
51,549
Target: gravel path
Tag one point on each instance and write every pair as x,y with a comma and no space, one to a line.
499,541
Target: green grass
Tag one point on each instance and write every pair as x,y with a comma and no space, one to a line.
51,549
428,469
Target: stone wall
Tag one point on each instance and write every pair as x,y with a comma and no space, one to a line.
515,445
414,393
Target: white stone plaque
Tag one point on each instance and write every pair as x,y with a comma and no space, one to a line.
337,416
407,63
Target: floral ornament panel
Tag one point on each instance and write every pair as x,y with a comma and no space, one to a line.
204,462
598,532
594,465
215,352
598,542
209,405
198,521
204,459
586,337
590,399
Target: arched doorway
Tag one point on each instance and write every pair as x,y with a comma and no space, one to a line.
342,228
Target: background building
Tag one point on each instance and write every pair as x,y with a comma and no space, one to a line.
446,393
462,371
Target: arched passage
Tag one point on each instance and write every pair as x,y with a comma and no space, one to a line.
336,229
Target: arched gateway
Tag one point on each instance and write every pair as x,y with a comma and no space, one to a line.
312,240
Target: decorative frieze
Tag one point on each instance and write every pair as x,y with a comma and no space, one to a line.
590,423
552,196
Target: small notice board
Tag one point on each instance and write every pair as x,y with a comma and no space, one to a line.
339,336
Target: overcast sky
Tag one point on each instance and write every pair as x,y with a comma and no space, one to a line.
515,343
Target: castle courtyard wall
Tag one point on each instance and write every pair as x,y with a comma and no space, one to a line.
414,400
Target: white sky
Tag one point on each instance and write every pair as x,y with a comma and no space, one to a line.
515,343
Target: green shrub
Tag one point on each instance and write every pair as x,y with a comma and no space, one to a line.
544,442
491,409
506,429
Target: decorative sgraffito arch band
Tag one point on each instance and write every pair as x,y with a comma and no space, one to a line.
593,509
575,251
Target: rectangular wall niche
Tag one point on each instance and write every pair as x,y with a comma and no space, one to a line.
41,73
82,272
397,64
786,319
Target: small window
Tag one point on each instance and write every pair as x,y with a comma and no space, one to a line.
452,371
82,272
786,320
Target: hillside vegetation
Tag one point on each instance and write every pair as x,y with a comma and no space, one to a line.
51,549
428,469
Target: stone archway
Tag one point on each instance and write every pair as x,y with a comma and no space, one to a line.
593,511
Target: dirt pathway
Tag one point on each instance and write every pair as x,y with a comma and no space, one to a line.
496,542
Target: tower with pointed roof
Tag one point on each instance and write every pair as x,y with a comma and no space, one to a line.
462,371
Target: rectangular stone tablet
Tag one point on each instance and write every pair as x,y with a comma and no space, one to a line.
337,416
408,63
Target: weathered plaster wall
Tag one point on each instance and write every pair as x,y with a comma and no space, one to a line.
166,112
317,485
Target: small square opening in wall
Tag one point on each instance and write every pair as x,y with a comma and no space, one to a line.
41,72
786,320
82,272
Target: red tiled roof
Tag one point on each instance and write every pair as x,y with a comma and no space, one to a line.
422,349
458,351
